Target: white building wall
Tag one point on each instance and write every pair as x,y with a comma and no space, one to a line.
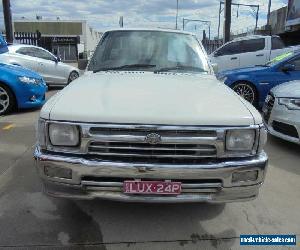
91,39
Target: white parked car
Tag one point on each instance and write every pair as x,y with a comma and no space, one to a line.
248,51
282,111
42,61
149,122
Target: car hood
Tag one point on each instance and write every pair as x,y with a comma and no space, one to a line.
148,98
246,70
18,71
289,89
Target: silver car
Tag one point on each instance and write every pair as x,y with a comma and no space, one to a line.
42,61
282,111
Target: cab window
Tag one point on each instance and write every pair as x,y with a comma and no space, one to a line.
253,45
230,49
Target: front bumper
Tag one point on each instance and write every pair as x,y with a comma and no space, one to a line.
31,96
282,114
76,187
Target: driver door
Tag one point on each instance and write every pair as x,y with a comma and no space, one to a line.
228,56
48,66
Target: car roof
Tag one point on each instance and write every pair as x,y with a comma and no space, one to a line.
251,37
152,29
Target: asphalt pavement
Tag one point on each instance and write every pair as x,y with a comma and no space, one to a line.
31,220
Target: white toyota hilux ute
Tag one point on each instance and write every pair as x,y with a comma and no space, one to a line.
149,122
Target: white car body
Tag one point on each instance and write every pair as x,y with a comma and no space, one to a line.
129,107
248,51
51,69
281,120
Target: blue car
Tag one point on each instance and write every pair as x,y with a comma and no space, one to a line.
254,83
20,88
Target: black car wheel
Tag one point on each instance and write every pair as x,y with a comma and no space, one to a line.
7,100
247,91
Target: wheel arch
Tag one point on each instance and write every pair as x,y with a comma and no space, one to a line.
12,91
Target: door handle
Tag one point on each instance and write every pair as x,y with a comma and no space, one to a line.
233,58
260,55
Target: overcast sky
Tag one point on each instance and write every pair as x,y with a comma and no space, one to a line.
104,14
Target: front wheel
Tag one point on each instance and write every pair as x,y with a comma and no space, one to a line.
7,100
73,75
247,91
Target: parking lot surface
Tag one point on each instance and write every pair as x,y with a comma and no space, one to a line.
30,219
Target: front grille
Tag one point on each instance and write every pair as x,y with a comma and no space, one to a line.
268,107
285,129
189,186
128,143
148,151
115,131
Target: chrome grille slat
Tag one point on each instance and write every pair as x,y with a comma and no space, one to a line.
154,149
177,140
187,156
141,131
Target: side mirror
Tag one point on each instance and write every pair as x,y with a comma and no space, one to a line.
215,67
288,67
56,59
216,53
82,63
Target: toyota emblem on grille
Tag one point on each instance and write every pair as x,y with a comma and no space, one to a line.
153,138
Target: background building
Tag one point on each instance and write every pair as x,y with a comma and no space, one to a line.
66,38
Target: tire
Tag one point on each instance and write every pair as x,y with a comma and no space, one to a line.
7,100
247,91
73,75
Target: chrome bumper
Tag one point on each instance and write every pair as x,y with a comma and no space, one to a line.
77,188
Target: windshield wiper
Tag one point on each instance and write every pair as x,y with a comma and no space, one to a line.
126,66
180,67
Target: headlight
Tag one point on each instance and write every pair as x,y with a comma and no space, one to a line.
240,139
63,135
29,80
290,103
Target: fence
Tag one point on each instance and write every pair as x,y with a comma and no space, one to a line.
211,45
28,38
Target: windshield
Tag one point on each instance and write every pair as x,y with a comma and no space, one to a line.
149,51
279,58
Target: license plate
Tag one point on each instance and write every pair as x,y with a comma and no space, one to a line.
151,187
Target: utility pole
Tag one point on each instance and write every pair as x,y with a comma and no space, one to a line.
7,21
256,18
256,6
220,9
227,21
177,15
269,11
